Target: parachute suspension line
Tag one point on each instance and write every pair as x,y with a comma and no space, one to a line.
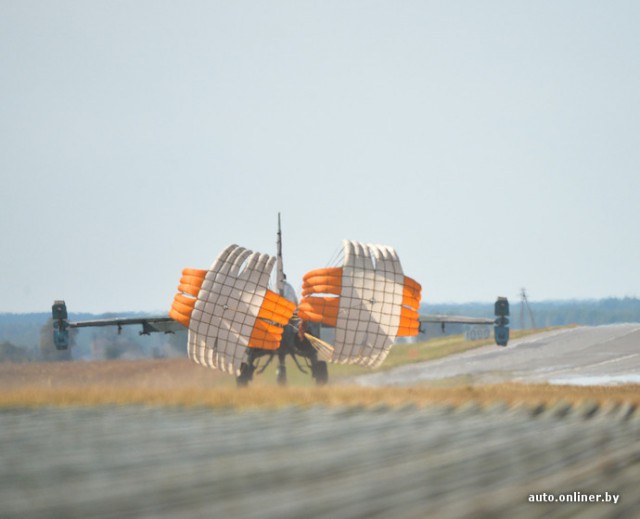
337,258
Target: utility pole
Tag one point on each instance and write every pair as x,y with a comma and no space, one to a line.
525,302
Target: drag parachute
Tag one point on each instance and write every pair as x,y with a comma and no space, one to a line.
368,300
229,309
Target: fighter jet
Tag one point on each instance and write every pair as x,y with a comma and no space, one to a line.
237,322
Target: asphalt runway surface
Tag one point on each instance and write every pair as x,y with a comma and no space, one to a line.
599,355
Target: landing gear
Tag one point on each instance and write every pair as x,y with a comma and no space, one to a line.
281,375
320,372
246,375
293,344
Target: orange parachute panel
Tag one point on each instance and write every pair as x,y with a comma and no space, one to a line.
412,284
276,308
409,313
191,281
182,308
196,273
330,271
409,322
408,332
192,290
265,336
320,310
323,280
410,301
181,318
412,287
411,293
308,289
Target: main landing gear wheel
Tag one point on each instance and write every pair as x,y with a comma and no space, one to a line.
246,375
281,375
320,373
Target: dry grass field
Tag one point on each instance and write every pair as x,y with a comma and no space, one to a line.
168,438
179,382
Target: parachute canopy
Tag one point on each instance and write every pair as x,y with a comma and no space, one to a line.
368,300
229,308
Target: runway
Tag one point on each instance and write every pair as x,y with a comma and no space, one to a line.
601,355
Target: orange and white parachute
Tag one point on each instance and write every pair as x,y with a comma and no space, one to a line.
229,308
368,300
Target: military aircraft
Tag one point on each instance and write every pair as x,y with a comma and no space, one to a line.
351,313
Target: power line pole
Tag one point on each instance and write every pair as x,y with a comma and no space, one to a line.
525,302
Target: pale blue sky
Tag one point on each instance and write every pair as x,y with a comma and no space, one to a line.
495,144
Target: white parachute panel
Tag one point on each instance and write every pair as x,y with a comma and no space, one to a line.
370,304
227,307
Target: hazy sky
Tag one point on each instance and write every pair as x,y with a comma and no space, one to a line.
495,144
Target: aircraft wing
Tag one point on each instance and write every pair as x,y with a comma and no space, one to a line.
500,322
455,319
61,324
149,324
